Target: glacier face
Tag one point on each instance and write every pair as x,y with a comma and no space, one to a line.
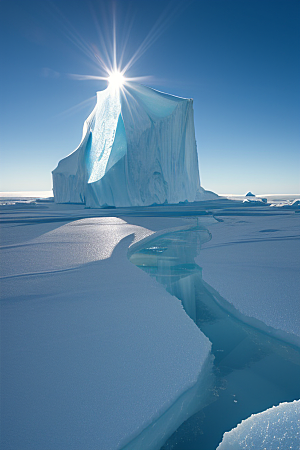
138,148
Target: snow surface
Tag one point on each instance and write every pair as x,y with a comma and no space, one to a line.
252,262
277,428
95,354
137,149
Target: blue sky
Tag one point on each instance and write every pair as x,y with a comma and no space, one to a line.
238,60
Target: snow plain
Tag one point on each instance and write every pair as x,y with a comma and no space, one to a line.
95,353
93,350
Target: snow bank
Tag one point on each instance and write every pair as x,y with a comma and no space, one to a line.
273,429
138,148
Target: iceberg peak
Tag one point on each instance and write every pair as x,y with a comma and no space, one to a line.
138,148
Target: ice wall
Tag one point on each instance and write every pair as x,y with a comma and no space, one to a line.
138,148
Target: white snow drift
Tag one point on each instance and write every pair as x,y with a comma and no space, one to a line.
273,429
137,149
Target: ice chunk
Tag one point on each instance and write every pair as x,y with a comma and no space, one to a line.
138,148
254,200
273,429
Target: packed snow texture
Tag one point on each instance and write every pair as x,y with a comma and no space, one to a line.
95,354
277,428
252,262
137,149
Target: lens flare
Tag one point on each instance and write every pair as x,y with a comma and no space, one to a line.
116,79
108,62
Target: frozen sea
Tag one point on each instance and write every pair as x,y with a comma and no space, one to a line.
149,328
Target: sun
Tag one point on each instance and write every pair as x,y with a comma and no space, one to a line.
116,79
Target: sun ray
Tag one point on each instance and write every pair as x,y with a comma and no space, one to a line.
125,40
124,90
71,33
146,78
80,77
68,112
109,61
165,19
108,64
115,67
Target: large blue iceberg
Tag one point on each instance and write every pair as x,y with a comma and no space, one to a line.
137,149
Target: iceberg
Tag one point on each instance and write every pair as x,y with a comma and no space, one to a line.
138,148
275,428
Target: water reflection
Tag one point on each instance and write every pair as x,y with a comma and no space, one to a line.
252,370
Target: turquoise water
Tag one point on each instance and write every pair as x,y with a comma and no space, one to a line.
252,370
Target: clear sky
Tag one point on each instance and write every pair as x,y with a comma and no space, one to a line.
238,59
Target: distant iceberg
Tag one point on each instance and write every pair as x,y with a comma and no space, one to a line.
136,150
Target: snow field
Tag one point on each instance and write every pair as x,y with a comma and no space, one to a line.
95,354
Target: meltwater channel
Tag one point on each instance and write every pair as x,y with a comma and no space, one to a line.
252,370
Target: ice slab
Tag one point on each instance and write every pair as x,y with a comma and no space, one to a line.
273,429
95,354
252,262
